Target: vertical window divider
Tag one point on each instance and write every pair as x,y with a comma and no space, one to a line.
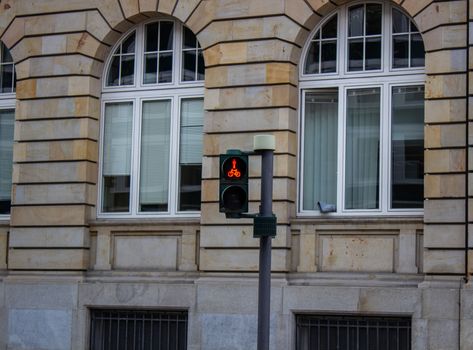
136,159
174,156
342,113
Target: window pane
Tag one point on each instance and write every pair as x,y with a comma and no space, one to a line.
362,149
407,147
7,122
155,148
417,51
400,51
165,68
320,148
151,68
400,22
329,56
190,41
6,56
373,19
356,21
200,66
151,37
373,53
117,156
329,30
128,70
165,36
113,78
355,55
190,157
188,70
6,72
312,61
128,45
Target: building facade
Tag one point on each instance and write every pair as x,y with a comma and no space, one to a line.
109,172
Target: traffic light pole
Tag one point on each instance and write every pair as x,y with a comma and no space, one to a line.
264,283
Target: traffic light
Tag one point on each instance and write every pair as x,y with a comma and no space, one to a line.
233,183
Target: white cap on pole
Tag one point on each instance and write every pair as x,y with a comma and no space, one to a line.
264,143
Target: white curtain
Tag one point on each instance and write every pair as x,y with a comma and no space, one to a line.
117,138
192,120
320,148
362,149
155,149
7,121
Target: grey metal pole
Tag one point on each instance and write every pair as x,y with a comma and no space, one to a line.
264,284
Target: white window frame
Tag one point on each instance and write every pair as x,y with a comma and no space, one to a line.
175,91
343,80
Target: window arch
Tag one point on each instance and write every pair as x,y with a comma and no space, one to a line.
7,122
362,88
152,125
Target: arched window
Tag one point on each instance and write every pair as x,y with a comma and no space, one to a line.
7,122
362,87
152,124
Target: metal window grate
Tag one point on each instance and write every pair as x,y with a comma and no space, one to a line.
138,330
314,332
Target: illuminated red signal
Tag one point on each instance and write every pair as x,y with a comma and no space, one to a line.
234,168
234,172
233,183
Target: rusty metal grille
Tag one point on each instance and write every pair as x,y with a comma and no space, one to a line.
138,330
314,332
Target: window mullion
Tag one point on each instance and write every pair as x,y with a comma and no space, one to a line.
174,157
135,153
341,146
385,179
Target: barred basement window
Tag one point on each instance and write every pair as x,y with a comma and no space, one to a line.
138,330
315,332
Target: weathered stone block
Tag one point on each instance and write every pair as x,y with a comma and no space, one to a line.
241,260
441,86
73,128
40,296
55,150
52,215
390,300
438,186
446,61
55,172
444,161
49,237
39,329
444,111
148,6
440,303
145,252
444,37
3,253
357,254
48,259
441,13
58,108
238,235
444,261
444,236
437,136
443,334
444,211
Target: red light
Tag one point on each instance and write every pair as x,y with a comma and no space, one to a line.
234,172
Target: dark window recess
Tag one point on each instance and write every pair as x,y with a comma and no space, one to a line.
315,332
138,330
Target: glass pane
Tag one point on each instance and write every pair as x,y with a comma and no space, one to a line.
373,53
400,51
113,77
6,57
362,149
151,39
165,36
128,45
189,187
188,69
200,66
400,22
329,56
192,120
329,30
165,67
373,19
312,61
151,68
117,156
190,41
413,27
417,51
7,122
128,70
355,54
6,72
407,147
155,148
320,148
355,21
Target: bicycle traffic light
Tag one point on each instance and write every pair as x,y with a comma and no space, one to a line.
233,192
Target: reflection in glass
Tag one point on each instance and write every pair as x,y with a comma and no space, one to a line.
165,68
122,67
320,147
165,35
400,22
189,65
417,51
151,68
355,54
313,58
329,30
7,122
362,149
373,19
117,156
154,161
356,21
329,56
373,53
407,147
400,51
128,70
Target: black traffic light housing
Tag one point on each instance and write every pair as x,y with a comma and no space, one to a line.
233,191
